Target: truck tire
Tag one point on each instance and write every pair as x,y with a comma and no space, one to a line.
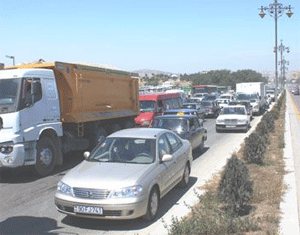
46,155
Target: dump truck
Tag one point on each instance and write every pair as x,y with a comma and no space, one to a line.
49,109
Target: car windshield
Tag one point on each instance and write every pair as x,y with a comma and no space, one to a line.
243,97
175,124
190,106
211,97
233,110
147,105
9,89
125,150
206,103
225,97
222,101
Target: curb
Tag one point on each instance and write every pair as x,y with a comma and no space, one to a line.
289,223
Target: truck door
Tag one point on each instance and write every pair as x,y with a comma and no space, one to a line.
31,109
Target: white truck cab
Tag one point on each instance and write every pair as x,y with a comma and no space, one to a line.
29,115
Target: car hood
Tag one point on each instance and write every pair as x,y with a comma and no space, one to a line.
232,116
106,175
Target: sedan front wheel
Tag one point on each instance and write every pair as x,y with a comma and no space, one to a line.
153,204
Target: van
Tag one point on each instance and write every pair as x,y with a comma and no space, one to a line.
152,105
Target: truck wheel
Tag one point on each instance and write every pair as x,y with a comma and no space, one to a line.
45,157
153,204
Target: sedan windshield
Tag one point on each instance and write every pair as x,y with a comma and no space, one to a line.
125,150
147,105
233,110
9,94
175,124
206,103
190,106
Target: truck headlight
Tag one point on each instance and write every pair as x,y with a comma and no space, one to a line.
133,191
6,148
64,188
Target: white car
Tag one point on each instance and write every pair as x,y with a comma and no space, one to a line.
222,102
126,175
233,117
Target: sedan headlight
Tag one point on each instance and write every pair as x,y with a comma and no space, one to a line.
242,121
64,188
133,191
220,121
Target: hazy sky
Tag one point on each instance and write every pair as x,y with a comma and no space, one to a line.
179,36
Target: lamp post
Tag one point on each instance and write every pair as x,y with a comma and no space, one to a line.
11,57
282,61
276,10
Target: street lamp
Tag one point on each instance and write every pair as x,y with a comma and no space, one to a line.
282,62
11,57
276,10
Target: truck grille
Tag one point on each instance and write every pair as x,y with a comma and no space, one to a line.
91,193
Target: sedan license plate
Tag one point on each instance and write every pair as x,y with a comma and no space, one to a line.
230,126
88,210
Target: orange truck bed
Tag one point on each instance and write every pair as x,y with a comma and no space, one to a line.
89,93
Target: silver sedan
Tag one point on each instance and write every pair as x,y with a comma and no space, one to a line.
126,175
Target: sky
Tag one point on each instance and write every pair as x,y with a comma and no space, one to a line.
178,36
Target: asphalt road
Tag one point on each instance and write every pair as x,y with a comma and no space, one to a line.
27,202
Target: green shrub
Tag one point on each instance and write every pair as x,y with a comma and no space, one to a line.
269,119
255,148
263,130
235,189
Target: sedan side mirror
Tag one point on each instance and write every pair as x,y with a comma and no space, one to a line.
86,154
167,158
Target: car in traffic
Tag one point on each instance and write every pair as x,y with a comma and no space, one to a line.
233,117
186,126
247,105
222,102
211,97
182,111
197,106
126,175
211,107
201,96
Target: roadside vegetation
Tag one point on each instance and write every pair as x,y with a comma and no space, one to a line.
245,197
220,77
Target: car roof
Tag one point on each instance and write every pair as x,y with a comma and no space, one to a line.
235,106
179,110
188,116
147,133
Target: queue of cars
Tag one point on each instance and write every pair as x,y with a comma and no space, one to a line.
127,173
